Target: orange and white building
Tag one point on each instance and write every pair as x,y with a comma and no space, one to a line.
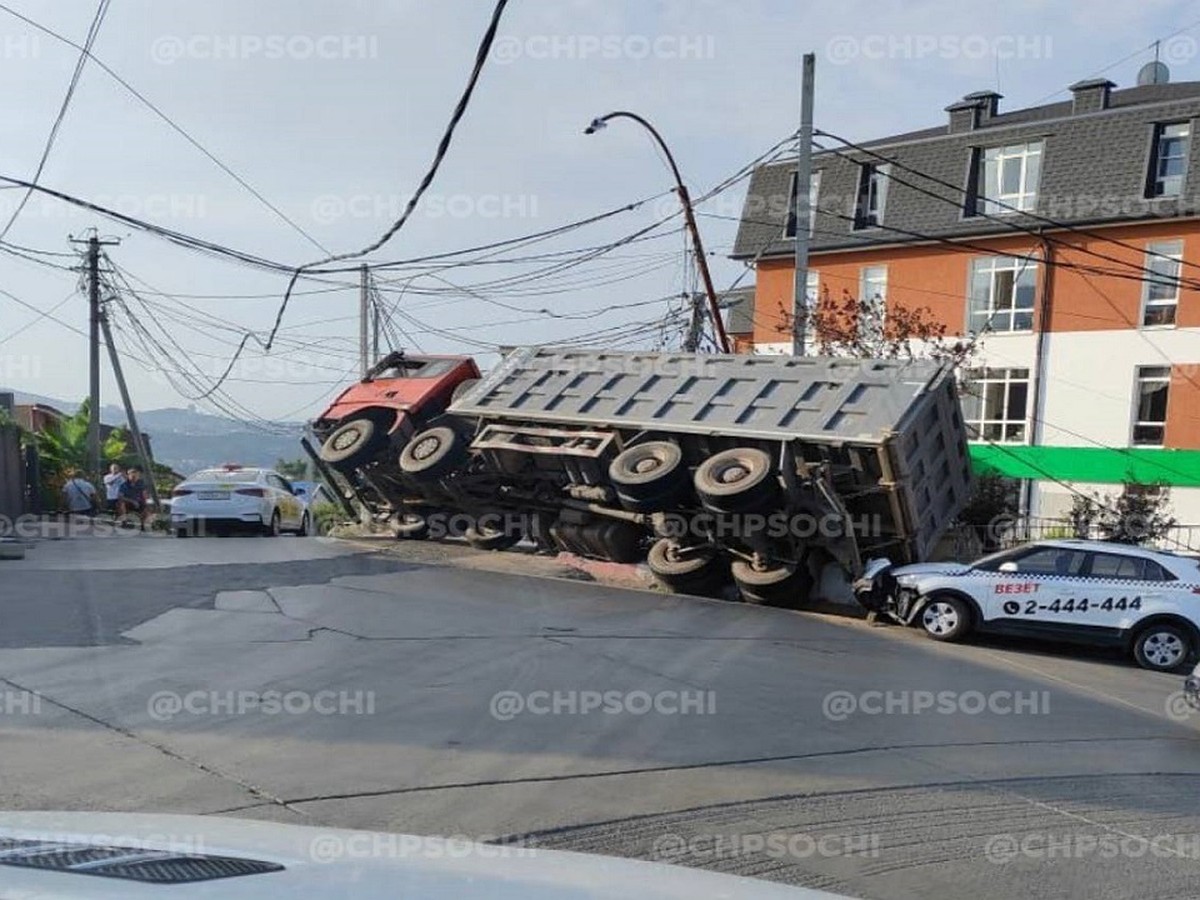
1065,238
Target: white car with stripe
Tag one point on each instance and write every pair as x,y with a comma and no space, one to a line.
237,497
1075,591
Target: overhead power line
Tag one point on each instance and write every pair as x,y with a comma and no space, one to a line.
85,52
175,126
443,148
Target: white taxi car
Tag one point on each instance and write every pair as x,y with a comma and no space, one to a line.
237,497
1146,601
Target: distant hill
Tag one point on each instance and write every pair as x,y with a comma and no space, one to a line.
188,439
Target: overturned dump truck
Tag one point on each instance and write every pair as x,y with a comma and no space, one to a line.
760,470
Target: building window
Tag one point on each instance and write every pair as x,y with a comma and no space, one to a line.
1002,294
1150,413
1168,159
814,188
1007,179
1160,290
994,404
872,306
872,195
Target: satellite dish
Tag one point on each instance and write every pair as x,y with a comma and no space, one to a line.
1154,73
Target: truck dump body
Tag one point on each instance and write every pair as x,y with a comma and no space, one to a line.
890,430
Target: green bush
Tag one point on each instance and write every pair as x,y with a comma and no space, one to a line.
325,516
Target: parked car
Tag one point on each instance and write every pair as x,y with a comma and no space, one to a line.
1097,592
237,497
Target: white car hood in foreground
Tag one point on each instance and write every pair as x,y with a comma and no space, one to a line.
349,865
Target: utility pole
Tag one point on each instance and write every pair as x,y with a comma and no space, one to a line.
375,331
803,208
139,443
364,289
93,270
691,343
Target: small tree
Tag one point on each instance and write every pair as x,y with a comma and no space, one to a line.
63,445
1138,514
1082,515
873,329
992,509
293,469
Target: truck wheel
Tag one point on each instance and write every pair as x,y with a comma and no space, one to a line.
685,571
783,584
432,453
461,388
738,480
489,537
648,476
409,526
1162,647
352,444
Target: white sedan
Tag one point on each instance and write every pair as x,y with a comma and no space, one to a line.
1146,601
237,497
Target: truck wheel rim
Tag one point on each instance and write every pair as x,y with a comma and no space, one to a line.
426,448
733,474
647,465
1163,649
940,618
346,439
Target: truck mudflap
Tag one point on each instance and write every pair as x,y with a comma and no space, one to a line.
877,591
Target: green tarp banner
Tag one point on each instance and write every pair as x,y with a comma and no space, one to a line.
1099,464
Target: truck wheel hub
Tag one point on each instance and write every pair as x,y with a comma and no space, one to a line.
346,439
426,448
733,474
643,466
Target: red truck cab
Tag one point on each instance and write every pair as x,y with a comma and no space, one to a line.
396,399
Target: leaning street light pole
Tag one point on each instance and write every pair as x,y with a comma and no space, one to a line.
688,213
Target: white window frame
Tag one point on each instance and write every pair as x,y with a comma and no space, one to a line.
812,293
877,276
1158,253
1141,377
996,316
1155,179
872,185
814,192
991,172
976,382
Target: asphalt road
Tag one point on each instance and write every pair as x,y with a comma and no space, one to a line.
136,671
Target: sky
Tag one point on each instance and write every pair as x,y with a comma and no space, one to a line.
331,110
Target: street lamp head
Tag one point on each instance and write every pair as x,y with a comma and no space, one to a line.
596,125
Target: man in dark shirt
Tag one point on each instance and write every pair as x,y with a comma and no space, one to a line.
133,497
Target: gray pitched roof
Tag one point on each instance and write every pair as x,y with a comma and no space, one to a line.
739,309
1094,168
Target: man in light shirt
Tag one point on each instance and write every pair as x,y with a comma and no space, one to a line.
112,487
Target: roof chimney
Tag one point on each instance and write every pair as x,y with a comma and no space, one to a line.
1090,95
973,111
989,104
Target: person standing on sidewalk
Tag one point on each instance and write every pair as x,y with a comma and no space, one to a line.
133,497
112,487
79,494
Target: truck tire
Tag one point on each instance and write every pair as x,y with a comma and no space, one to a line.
461,388
783,584
737,480
409,526
487,537
353,444
432,453
649,476
691,571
